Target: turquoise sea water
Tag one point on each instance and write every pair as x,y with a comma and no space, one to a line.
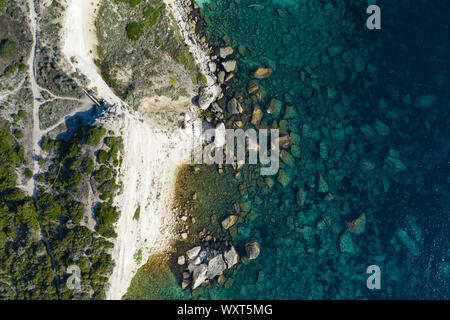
368,114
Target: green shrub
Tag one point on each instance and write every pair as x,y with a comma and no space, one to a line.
87,165
47,144
95,135
6,48
152,16
102,156
28,173
18,134
135,30
134,3
202,80
106,215
9,71
102,174
184,58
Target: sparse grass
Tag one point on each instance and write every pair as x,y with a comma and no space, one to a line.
7,48
152,16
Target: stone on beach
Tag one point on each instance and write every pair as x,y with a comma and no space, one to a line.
216,266
193,253
225,52
230,65
231,257
199,275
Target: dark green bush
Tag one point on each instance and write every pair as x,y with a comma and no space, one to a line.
95,135
135,30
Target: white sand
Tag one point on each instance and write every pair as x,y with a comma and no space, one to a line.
80,43
151,154
150,160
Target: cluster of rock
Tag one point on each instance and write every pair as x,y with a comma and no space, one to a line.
210,260
222,68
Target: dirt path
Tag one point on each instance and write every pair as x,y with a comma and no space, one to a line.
36,96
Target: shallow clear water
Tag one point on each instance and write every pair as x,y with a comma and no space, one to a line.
368,112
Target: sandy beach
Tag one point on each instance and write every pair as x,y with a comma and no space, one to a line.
80,42
151,155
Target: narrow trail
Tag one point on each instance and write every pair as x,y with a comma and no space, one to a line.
9,93
36,96
37,134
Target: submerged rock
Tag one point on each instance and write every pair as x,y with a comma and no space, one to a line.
381,128
335,50
425,101
256,116
301,197
393,160
253,250
357,226
274,107
346,243
262,73
323,185
408,242
229,221
284,178
287,158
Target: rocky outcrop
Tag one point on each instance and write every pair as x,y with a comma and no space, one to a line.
206,262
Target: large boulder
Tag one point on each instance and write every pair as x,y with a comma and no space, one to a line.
199,275
225,51
230,65
216,266
193,253
231,257
208,96
234,107
220,135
